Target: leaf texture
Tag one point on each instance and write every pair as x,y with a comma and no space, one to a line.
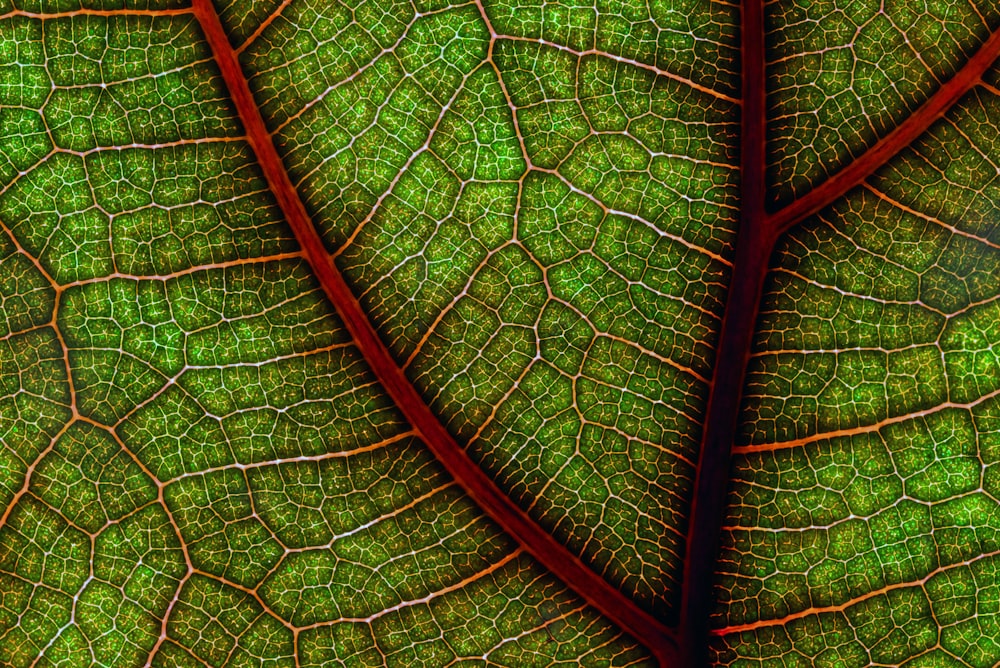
864,487
200,468
511,172
418,332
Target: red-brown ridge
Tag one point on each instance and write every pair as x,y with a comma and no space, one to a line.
612,603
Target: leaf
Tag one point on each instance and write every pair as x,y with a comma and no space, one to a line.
412,333
870,422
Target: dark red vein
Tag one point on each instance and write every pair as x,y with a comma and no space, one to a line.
535,540
754,242
889,146
757,235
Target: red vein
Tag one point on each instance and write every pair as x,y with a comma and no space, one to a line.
757,234
535,540
894,142
263,26
754,242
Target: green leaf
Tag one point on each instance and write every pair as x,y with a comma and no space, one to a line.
421,333
864,492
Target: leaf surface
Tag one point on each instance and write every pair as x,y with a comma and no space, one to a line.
420,333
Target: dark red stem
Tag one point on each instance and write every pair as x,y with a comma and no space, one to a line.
535,540
754,242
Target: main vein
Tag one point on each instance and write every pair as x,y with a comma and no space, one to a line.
657,637
756,238
754,242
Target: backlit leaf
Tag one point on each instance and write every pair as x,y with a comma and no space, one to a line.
419,332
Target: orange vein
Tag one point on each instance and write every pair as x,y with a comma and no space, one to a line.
865,428
536,541
94,12
840,607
